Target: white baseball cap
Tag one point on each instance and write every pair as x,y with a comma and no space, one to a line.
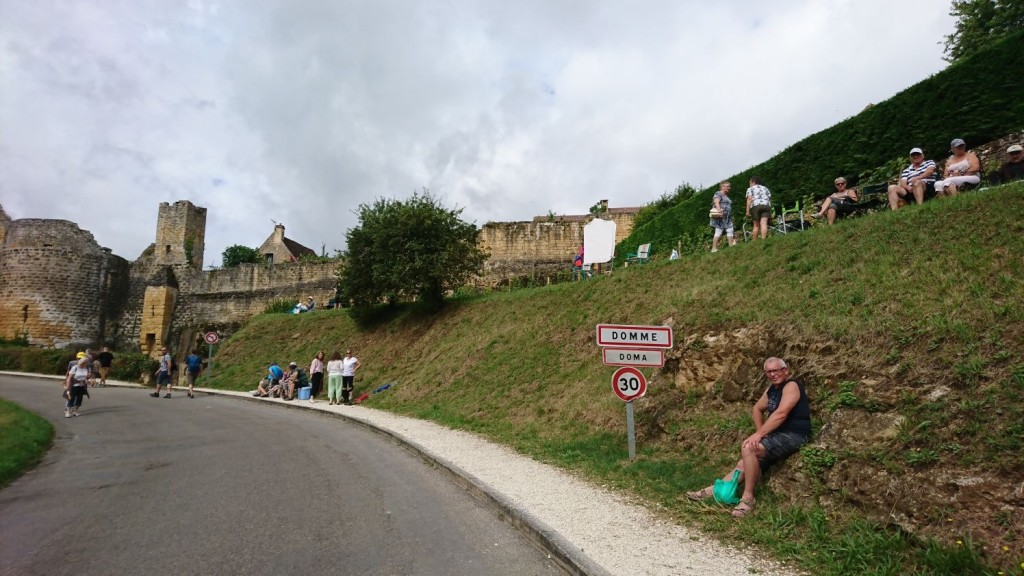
916,151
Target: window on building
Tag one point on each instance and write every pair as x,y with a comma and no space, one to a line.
150,342
269,258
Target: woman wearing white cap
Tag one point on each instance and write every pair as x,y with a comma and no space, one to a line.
963,167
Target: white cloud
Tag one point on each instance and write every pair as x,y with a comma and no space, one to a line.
299,111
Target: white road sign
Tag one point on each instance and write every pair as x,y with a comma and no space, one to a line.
634,336
633,357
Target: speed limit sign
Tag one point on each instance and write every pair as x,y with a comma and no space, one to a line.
628,383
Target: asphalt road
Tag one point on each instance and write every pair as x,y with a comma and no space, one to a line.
214,485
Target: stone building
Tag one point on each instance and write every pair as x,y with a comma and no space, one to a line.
59,288
542,248
277,249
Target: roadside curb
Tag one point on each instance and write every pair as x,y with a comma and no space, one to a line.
568,556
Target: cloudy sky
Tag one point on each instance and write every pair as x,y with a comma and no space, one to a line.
300,110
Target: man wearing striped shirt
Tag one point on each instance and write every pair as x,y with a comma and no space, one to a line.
916,181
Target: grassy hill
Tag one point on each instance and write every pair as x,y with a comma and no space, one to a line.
907,327
978,99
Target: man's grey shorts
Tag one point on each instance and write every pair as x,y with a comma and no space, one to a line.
780,445
759,211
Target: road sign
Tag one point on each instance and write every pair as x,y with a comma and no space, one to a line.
211,337
634,336
633,356
629,383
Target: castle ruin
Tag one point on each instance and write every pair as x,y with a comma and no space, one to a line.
60,289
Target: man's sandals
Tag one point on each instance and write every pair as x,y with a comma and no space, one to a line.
743,508
702,494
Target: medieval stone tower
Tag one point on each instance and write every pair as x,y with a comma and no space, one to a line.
177,259
180,234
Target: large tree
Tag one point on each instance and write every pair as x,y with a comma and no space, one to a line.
411,249
238,254
980,22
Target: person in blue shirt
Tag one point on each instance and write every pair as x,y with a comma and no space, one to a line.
193,367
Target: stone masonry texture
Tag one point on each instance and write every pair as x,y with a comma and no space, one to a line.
60,289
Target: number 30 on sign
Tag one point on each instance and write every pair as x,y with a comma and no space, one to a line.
628,383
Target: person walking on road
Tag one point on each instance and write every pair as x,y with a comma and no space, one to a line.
193,368
316,375
348,376
335,367
163,374
106,358
75,386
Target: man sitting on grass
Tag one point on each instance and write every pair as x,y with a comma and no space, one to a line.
786,429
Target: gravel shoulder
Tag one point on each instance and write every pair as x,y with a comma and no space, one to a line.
596,530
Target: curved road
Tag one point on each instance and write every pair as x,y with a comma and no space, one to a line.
214,485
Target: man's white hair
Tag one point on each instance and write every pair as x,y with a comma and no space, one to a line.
773,360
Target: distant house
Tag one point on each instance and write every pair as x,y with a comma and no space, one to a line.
279,249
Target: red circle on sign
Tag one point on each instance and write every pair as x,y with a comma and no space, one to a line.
211,338
628,383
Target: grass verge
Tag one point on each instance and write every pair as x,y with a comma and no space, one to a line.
24,438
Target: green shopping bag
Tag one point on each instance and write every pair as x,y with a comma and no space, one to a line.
725,491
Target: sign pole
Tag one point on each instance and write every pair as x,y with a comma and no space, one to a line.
630,432
209,361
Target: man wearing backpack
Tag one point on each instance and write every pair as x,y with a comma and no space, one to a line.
193,367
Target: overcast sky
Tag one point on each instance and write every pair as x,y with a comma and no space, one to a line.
300,110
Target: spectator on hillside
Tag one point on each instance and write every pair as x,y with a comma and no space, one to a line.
106,359
786,428
306,306
723,223
759,207
917,181
1012,169
962,168
839,203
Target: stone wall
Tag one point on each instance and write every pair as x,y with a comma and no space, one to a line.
56,283
540,249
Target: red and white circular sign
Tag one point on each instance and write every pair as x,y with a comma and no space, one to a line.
211,338
628,383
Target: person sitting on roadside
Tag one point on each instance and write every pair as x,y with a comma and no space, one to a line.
786,428
917,181
295,378
838,203
1012,169
759,207
263,388
271,384
962,168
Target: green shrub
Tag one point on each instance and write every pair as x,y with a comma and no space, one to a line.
279,307
131,366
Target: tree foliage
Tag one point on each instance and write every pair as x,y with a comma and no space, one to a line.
981,22
237,254
404,250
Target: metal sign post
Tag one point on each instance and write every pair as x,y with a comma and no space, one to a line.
211,338
630,431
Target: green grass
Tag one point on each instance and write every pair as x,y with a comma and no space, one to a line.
24,437
876,313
